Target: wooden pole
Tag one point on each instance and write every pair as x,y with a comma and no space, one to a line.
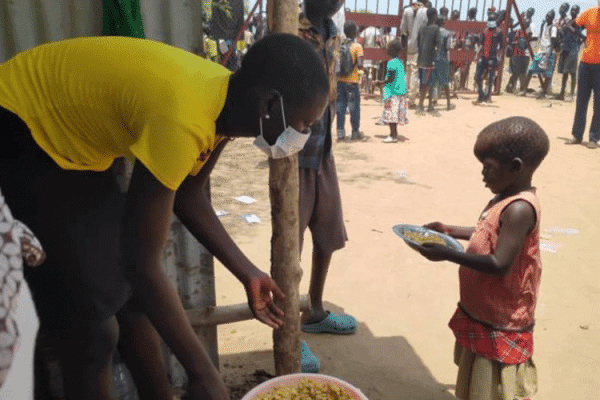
285,254
212,316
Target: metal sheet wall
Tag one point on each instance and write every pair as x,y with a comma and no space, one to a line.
27,23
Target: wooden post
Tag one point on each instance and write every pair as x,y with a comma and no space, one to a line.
285,255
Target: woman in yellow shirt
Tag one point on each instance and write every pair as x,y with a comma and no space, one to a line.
68,110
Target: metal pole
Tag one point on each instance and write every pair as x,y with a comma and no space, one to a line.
483,11
355,5
377,7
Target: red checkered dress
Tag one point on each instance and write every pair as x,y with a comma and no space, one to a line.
506,347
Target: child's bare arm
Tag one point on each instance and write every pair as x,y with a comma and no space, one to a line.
457,232
516,221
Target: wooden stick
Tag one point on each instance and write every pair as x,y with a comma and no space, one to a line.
212,316
285,248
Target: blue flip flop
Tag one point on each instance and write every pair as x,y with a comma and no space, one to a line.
310,363
333,323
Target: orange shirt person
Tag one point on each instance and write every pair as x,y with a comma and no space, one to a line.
588,80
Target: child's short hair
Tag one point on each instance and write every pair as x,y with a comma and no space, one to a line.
285,63
513,137
431,14
350,29
394,48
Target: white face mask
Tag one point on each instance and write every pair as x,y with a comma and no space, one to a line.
288,143
494,24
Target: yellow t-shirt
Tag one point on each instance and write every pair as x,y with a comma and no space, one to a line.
356,50
90,100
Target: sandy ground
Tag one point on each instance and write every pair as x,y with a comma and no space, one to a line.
403,348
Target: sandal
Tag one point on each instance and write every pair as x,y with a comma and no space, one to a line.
333,323
309,362
390,139
573,141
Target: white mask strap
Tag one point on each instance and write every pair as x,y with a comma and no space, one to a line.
283,112
260,124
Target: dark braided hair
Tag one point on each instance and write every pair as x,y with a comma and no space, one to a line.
513,137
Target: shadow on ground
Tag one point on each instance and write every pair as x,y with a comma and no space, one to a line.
384,368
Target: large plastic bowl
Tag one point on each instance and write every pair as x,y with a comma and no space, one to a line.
293,379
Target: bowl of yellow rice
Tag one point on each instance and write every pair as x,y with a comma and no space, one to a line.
416,236
305,387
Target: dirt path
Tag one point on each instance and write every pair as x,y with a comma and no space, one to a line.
403,349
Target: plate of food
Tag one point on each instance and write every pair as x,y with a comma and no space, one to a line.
416,235
305,386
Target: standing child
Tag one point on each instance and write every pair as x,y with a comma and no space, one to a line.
489,55
500,271
429,41
395,102
348,91
544,60
442,62
567,65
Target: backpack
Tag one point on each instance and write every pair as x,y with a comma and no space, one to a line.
346,65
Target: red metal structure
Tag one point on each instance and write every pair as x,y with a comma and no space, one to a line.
461,28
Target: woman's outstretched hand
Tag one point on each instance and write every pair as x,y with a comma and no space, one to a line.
261,291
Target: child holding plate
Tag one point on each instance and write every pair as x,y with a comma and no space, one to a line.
500,270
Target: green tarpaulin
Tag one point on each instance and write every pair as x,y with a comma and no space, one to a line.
122,18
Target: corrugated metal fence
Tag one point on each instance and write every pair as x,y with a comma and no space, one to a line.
27,23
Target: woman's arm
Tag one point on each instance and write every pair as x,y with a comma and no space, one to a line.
193,208
146,223
516,221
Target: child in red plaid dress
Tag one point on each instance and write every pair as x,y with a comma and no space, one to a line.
500,270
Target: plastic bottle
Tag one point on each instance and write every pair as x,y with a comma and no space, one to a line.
123,386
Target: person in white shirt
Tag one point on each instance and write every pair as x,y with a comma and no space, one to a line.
414,18
371,39
543,62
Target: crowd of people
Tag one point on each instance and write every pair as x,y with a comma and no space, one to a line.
428,71
100,286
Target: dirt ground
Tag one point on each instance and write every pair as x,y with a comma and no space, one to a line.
403,347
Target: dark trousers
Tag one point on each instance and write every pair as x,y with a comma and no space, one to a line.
485,66
348,96
588,80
